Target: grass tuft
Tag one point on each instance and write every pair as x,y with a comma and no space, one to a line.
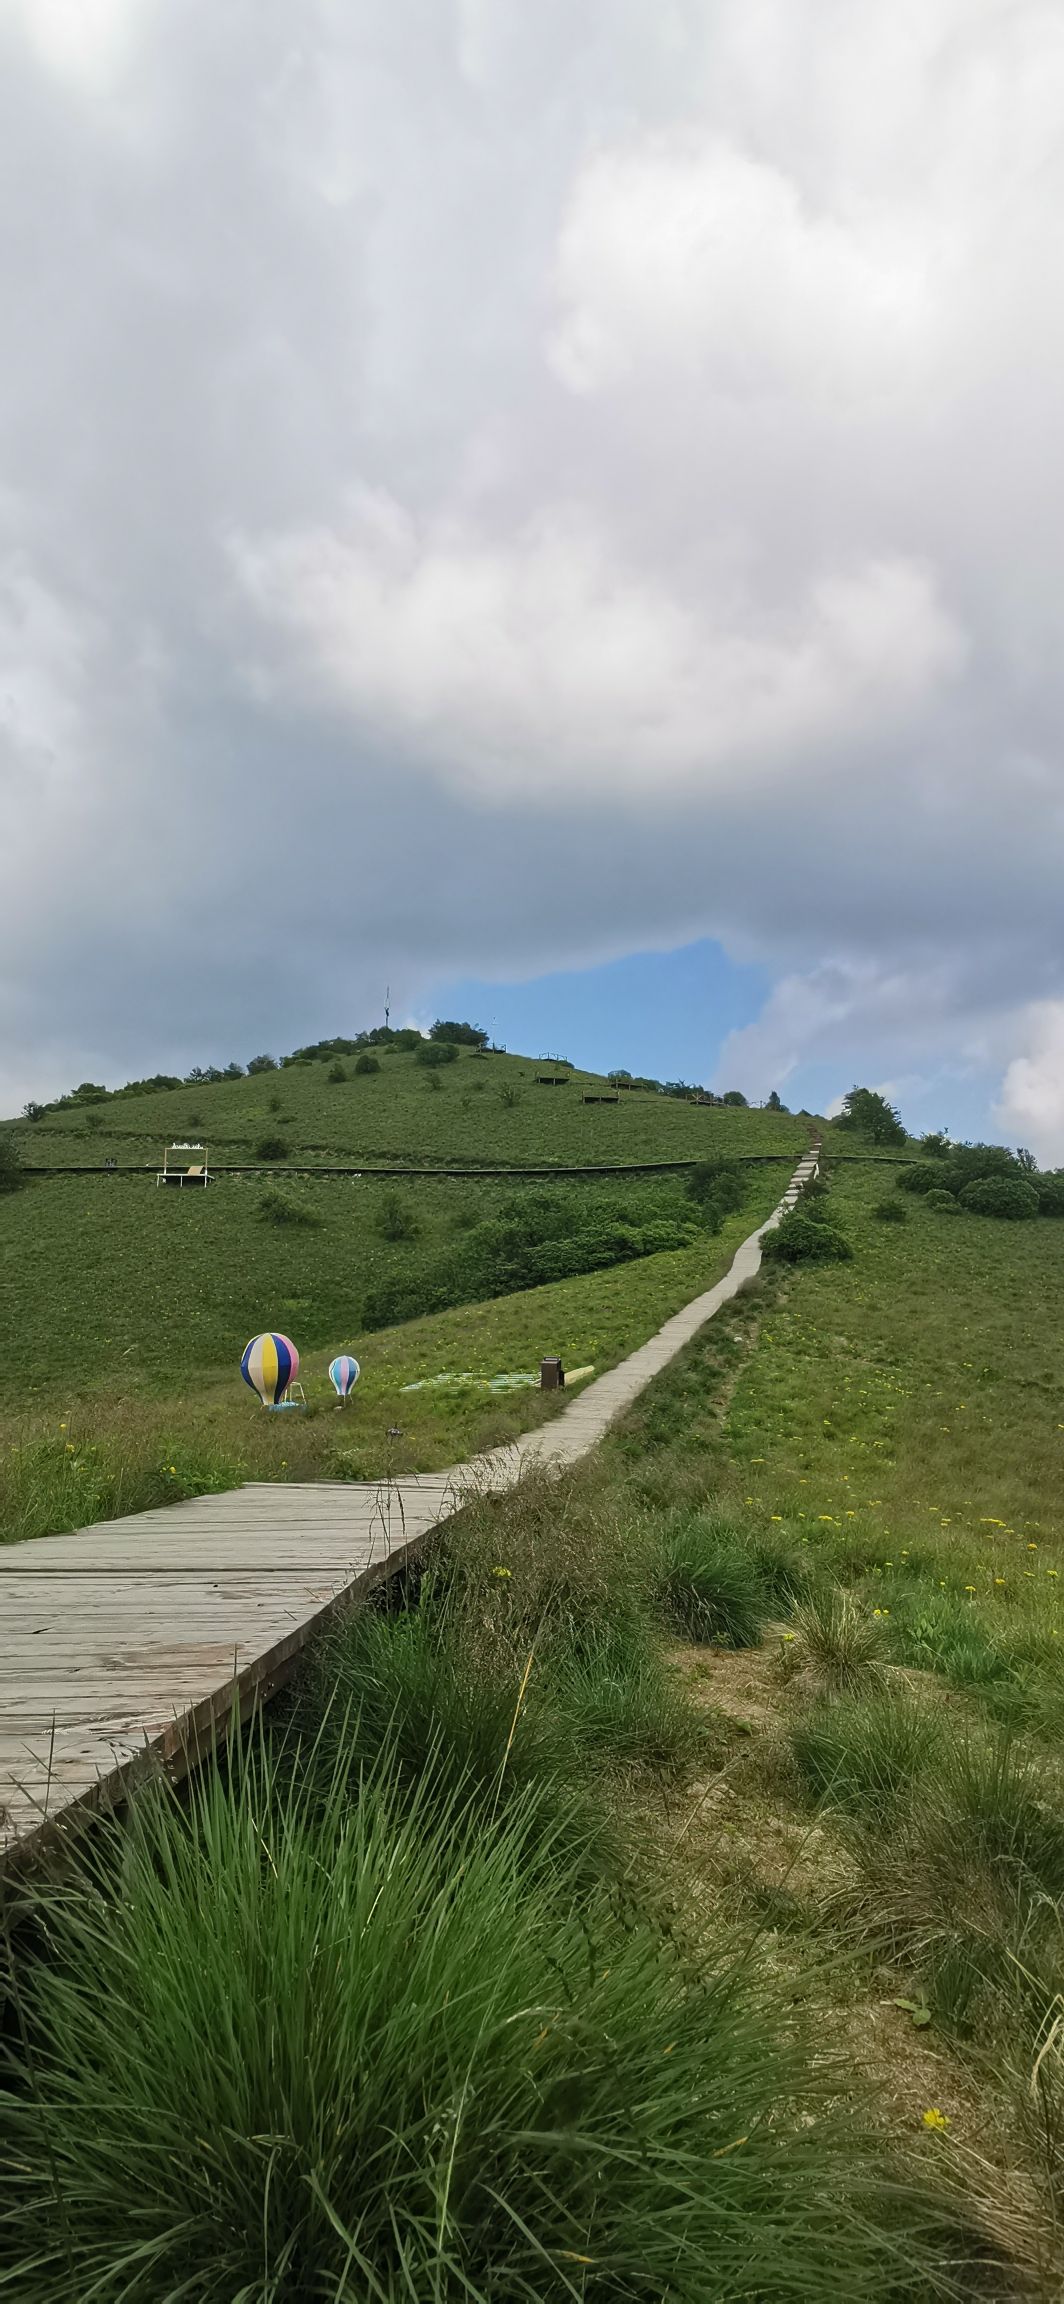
366,2053
712,1586
841,1638
863,1754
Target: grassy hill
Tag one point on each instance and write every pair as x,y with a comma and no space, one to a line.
124,1309
480,1110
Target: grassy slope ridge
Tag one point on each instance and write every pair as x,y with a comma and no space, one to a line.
484,1109
123,1310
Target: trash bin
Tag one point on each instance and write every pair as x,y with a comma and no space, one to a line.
551,1375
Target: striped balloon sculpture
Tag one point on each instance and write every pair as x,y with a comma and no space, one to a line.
270,1364
344,1372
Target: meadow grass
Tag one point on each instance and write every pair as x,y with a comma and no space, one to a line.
288,2043
422,1997
71,1453
481,1111
863,1753
896,1422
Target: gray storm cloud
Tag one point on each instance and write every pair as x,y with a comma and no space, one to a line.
487,488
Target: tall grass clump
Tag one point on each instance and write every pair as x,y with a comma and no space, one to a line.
711,1586
617,1701
365,2054
863,1754
841,1637
972,1878
447,1706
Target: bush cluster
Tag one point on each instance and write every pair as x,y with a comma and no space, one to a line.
718,1189
803,1239
277,1207
984,1179
542,1236
1006,1196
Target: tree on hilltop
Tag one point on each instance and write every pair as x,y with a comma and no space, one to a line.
460,1035
866,1113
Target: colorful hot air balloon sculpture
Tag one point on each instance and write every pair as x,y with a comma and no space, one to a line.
345,1373
270,1364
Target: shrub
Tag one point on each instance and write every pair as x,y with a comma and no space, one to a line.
1050,1190
710,1586
433,1053
920,1176
397,1218
800,1240
841,1637
365,1064
12,1173
734,1096
281,1208
261,1064
718,1184
271,1148
1004,1196
890,1212
966,1162
363,2051
509,1094
862,1754
335,1072
943,1204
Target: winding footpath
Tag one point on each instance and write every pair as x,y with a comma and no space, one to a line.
123,1645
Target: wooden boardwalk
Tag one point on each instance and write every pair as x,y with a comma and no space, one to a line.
122,1645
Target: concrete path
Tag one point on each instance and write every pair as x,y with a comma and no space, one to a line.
122,1645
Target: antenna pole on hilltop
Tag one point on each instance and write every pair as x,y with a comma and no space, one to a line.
387,1005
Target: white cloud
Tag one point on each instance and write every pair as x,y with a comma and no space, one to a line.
81,40
691,259
1030,1108
544,668
639,426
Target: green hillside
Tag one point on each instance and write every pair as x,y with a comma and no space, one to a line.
480,1109
124,1308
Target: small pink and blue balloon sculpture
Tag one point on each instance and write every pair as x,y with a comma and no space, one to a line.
270,1364
345,1373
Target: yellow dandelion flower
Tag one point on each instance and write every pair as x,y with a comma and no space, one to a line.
933,2118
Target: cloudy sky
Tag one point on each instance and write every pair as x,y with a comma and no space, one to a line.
495,493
